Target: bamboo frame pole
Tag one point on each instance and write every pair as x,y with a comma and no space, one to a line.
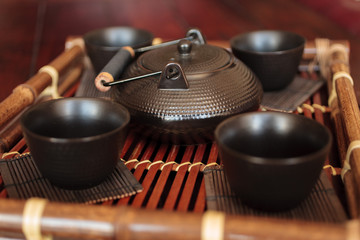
25,94
346,117
341,140
13,132
109,222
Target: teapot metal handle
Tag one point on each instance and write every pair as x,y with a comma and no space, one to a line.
171,78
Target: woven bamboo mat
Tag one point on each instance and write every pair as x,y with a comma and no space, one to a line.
23,180
292,96
322,205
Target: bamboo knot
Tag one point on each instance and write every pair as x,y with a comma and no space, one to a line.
181,165
353,145
175,166
323,52
312,108
333,170
166,164
353,230
53,88
141,162
213,225
336,76
26,92
154,163
195,164
6,154
31,223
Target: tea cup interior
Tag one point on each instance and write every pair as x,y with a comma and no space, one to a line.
268,136
268,41
115,37
73,119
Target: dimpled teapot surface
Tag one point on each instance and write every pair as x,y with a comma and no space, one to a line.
200,85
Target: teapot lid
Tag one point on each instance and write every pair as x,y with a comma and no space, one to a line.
193,58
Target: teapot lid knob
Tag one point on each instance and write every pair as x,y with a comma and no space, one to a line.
184,47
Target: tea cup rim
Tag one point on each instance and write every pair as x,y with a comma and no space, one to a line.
272,160
233,44
75,139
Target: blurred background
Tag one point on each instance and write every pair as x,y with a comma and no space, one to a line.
33,32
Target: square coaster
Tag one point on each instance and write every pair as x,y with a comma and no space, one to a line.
322,205
288,99
23,180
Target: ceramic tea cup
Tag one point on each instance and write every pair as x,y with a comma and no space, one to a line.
75,142
102,44
273,56
272,160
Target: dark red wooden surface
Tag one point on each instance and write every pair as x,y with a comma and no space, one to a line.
33,32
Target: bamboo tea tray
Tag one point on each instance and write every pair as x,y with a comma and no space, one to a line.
173,202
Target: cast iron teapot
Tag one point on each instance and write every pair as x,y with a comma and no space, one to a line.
185,90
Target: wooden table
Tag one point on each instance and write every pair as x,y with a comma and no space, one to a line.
33,32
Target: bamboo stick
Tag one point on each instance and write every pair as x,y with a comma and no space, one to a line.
346,118
25,94
107,222
341,140
13,132
11,135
